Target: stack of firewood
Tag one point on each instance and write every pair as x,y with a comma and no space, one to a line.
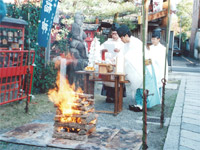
76,126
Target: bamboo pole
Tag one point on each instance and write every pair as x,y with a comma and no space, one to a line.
28,63
166,56
144,38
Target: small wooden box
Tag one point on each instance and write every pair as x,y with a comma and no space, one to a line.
103,68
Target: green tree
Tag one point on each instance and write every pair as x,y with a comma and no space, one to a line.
101,8
184,13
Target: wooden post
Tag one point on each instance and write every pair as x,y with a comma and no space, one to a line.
166,56
86,80
121,88
144,38
116,109
28,64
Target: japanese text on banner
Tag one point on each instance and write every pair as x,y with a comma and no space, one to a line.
46,20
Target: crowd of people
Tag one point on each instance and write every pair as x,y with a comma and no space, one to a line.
132,50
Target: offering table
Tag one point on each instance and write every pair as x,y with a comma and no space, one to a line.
89,79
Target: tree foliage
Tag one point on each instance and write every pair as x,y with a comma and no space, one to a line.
184,13
101,8
45,77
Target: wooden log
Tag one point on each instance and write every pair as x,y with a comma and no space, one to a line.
71,136
84,103
83,95
87,131
78,100
81,112
84,120
74,125
90,99
84,132
70,125
88,119
75,115
83,115
83,108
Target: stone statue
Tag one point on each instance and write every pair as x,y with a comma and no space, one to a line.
78,49
78,35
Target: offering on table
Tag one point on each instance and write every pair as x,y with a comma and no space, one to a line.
88,68
105,68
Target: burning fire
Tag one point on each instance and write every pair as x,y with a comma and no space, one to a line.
64,97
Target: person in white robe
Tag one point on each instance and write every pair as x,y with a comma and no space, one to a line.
158,54
133,56
113,47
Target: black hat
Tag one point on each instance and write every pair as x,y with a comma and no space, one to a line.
123,30
156,33
115,26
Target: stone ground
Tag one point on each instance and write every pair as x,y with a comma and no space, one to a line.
183,133
184,128
184,61
126,119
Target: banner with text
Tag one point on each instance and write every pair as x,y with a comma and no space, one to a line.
46,20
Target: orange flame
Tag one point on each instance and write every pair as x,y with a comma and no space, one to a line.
64,98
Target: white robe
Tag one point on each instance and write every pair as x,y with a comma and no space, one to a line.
111,55
158,54
110,45
133,55
134,70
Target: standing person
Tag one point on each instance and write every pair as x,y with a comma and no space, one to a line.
2,10
133,56
158,53
114,47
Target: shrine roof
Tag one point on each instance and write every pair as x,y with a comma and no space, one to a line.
90,27
14,21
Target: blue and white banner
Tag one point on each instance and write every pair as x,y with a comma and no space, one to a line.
46,20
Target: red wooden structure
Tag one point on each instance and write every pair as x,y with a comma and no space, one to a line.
90,30
13,61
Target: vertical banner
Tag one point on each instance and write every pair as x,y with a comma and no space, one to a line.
46,20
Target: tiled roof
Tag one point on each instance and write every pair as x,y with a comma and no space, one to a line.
14,20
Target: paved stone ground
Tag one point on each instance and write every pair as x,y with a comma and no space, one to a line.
126,119
185,61
185,64
184,129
